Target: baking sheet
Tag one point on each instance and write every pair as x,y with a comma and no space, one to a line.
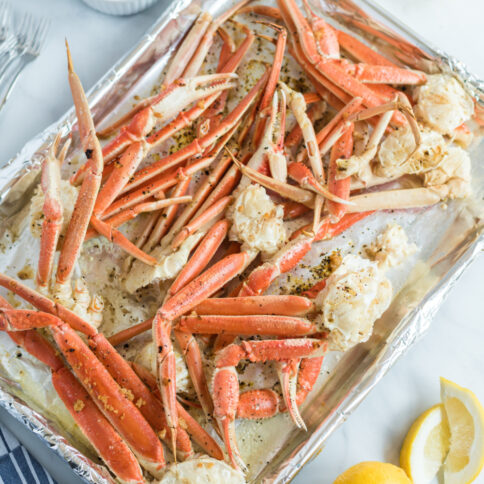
443,257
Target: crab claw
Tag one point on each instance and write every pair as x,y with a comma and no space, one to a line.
287,372
226,399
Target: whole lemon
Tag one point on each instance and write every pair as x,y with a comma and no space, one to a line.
373,473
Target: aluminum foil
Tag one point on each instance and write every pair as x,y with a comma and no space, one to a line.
426,285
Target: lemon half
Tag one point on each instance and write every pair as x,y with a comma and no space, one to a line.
373,473
465,415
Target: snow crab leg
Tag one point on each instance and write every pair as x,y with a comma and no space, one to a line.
199,435
321,69
198,145
166,105
94,425
192,294
289,256
96,380
225,380
84,206
52,209
265,403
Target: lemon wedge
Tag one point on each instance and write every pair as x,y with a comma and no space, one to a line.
373,473
449,437
465,415
426,445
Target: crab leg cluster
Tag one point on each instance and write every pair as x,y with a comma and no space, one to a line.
215,236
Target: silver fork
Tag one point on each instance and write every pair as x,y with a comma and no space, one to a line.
7,39
29,39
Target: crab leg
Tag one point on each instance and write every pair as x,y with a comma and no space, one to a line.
326,67
193,358
128,333
312,292
301,173
138,393
340,187
372,74
297,194
360,51
84,206
202,255
130,213
346,166
288,372
276,155
315,112
114,235
166,105
211,215
166,218
232,306
325,35
207,40
97,381
399,199
192,294
214,113
246,325
272,81
226,385
199,145
200,436
265,10
294,210
188,47
297,105
289,256
255,404
257,161
99,432
201,195
52,209
354,106
159,184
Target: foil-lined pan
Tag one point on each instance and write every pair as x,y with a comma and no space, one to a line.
427,284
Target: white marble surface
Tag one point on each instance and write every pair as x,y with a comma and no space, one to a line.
452,347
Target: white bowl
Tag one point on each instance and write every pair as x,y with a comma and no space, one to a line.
120,7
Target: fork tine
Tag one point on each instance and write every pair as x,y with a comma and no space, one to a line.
43,28
29,37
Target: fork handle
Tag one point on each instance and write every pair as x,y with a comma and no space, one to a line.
11,82
10,58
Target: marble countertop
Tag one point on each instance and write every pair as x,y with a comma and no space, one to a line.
453,345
